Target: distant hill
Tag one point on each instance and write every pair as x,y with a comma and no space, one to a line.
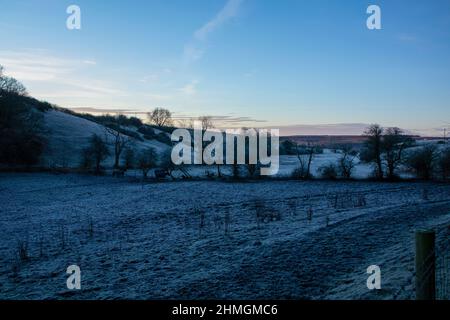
328,140
39,134
325,140
68,134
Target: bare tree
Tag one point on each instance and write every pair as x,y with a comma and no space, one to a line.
346,162
374,148
394,144
422,162
160,117
97,151
207,122
119,142
305,158
147,160
11,85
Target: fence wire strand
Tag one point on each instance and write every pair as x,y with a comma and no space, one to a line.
443,264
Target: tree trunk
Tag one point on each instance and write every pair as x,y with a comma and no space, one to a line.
309,165
380,168
391,171
218,171
378,158
116,160
97,167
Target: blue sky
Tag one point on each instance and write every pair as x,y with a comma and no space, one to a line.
290,64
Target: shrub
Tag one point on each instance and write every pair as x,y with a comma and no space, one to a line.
147,159
287,147
301,173
422,162
164,138
444,164
95,153
150,134
135,122
318,150
253,170
147,131
346,165
131,133
120,119
328,171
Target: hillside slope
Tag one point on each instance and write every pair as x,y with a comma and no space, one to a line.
68,134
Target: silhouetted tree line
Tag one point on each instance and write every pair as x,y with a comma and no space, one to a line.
21,124
388,149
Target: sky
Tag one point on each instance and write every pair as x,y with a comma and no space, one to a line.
292,64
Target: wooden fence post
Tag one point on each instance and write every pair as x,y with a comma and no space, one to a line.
425,265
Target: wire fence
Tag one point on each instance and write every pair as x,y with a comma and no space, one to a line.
433,264
443,263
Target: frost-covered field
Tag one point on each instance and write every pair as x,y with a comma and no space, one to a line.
202,239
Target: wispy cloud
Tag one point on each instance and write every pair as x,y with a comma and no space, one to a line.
157,97
194,50
190,88
408,38
192,53
105,110
34,66
229,120
49,76
229,11
224,121
250,73
90,62
38,64
324,129
149,78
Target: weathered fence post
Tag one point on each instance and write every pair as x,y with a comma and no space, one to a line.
425,265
